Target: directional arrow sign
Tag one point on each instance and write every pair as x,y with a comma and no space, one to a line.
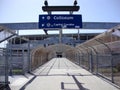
60,21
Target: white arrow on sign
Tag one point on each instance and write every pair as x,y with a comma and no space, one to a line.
43,17
43,25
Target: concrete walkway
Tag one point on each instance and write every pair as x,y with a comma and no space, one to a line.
18,81
62,74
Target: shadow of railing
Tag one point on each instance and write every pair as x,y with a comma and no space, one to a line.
77,83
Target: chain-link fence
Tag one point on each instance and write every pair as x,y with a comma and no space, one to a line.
18,59
3,68
5,34
105,65
101,55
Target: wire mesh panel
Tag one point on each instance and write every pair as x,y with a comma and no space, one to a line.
18,61
101,54
116,68
3,69
105,65
5,34
85,61
39,56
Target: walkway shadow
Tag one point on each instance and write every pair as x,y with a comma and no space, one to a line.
79,85
78,74
23,88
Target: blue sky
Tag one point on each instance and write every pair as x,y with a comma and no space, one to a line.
15,11
12,11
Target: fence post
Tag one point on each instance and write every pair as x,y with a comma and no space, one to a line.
23,63
29,58
112,68
97,59
6,66
91,61
9,50
79,59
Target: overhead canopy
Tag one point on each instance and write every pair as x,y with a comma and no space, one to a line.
6,34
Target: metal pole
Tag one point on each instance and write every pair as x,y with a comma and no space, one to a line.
93,49
78,35
91,62
97,61
10,61
23,61
112,68
29,60
60,36
6,66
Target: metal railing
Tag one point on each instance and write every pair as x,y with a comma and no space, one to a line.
99,62
3,68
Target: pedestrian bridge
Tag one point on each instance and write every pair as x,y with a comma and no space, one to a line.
59,66
62,74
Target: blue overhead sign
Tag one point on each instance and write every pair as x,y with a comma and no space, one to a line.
60,21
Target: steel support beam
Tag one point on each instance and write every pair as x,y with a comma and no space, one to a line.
34,25
60,8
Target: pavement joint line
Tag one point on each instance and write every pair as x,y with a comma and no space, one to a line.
51,67
66,65
44,67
